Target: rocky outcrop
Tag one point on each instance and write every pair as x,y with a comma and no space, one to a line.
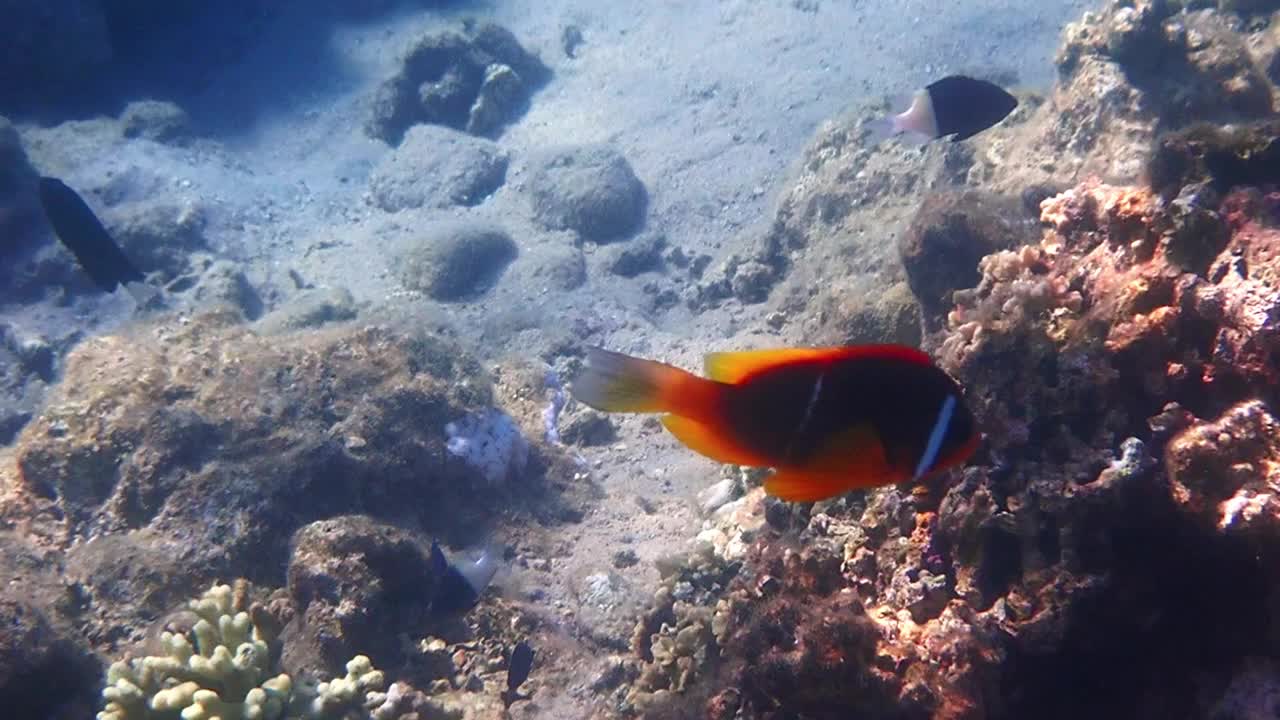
476,80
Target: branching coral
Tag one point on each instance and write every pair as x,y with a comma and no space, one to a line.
223,670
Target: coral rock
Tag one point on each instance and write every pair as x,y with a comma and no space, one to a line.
1229,469
948,236
477,80
193,449
358,583
590,190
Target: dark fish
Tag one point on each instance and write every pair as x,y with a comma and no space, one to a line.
955,105
459,585
518,668
828,420
83,234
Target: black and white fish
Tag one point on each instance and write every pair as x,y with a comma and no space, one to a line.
518,668
459,584
956,105
80,231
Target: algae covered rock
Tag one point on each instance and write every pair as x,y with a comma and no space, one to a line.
1187,66
1221,156
46,668
949,235
456,260
476,80
438,167
891,316
590,190
641,255
553,265
310,309
349,562
200,439
159,237
221,283
156,120
27,366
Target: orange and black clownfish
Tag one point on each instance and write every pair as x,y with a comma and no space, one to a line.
828,420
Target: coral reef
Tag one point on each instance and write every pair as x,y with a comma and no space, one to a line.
1128,472
1111,551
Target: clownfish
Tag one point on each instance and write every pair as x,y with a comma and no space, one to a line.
827,420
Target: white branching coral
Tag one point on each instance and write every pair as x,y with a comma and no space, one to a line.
227,675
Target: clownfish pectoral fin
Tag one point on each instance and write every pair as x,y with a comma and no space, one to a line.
856,453
798,486
704,440
733,367
851,460
613,382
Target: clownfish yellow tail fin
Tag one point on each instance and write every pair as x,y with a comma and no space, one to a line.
613,382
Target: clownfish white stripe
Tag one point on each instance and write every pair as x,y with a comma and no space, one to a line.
935,437
808,413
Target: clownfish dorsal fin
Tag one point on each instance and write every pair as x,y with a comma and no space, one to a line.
734,367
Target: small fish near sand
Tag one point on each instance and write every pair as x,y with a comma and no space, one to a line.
828,420
460,583
518,668
956,105
81,232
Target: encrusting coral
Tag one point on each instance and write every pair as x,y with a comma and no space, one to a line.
223,670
